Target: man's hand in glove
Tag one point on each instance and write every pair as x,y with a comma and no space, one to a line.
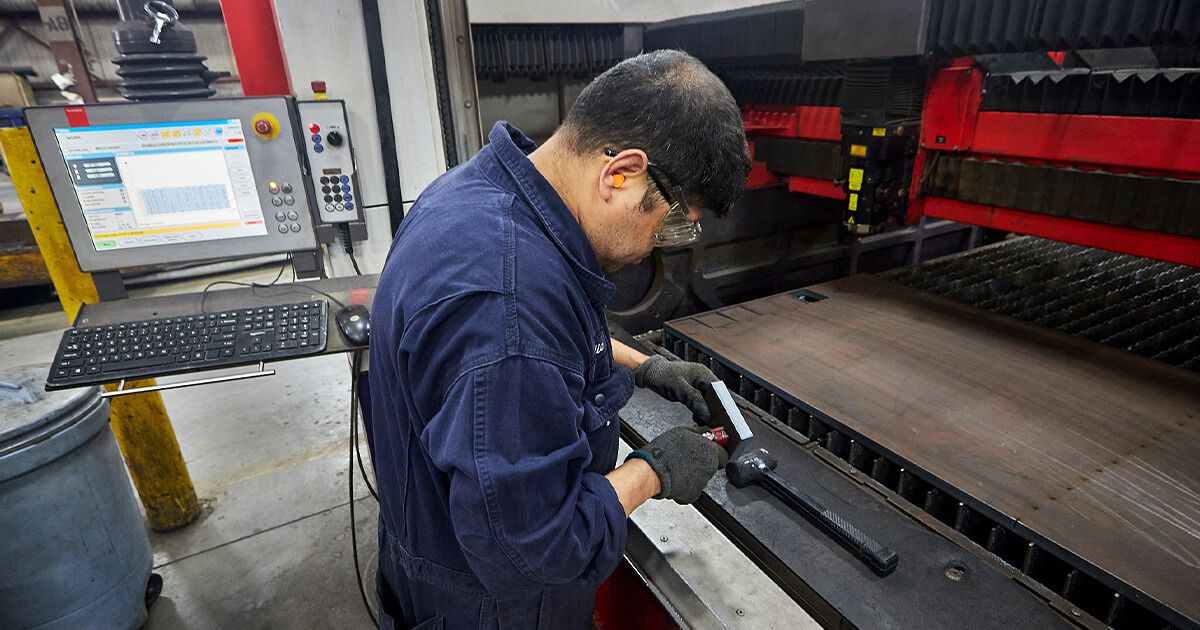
684,461
677,381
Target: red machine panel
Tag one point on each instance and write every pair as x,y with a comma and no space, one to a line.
794,121
1158,147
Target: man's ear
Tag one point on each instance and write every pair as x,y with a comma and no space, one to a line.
619,169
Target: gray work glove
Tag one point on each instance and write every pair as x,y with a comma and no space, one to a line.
677,381
684,461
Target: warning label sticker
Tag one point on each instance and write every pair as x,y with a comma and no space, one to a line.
856,177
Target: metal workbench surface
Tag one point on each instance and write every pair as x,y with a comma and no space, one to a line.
937,583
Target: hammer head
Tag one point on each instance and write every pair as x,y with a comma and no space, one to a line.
725,414
744,469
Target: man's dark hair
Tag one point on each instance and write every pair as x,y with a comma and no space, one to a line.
669,105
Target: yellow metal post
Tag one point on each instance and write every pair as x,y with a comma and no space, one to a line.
139,421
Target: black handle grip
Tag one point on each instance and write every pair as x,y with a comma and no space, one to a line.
882,560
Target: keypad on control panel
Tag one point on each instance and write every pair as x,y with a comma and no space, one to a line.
336,193
282,198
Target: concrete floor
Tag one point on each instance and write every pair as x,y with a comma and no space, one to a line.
272,549
268,458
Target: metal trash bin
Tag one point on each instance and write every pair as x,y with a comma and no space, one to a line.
75,550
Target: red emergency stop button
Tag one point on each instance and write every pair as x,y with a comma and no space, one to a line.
314,128
265,125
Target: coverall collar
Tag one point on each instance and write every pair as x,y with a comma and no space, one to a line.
511,148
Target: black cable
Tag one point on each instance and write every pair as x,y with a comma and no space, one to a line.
348,245
362,469
255,285
373,33
259,285
384,205
354,364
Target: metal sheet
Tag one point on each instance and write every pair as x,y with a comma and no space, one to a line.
1087,451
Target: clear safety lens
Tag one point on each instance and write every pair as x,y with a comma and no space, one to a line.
677,228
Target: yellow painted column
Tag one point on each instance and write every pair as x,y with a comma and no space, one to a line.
139,421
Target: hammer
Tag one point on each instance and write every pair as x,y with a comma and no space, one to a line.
757,466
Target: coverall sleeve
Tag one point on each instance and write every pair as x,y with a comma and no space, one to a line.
527,515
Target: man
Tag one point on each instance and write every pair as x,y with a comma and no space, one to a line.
494,384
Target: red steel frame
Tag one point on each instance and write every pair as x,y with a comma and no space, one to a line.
257,50
806,122
1160,147
1158,245
809,122
814,186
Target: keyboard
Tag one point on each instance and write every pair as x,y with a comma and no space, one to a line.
93,355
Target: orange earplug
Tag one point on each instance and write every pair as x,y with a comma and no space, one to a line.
618,180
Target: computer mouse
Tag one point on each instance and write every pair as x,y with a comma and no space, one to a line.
355,323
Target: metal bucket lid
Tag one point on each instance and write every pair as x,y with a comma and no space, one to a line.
26,406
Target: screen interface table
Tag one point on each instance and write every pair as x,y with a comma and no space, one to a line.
162,183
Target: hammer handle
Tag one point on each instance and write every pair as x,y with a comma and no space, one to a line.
882,560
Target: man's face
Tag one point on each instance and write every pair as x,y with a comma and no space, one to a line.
623,219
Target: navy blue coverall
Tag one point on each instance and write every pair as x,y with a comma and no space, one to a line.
494,402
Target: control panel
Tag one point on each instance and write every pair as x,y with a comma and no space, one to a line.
160,183
332,170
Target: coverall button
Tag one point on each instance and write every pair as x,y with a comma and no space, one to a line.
599,399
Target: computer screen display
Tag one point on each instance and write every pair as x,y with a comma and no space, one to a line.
141,185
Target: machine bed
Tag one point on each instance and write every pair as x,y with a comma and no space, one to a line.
1073,462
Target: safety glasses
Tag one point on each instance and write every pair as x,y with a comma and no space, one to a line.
676,228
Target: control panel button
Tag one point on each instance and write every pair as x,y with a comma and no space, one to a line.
318,148
314,128
329,207
289,200
273,187
295,227
292,216
286,188
324,179
328,198
280,216
283,228
326,189
349,206
337,197
276,201
334,139
345,179
338,206
265,125
348,197
316,137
